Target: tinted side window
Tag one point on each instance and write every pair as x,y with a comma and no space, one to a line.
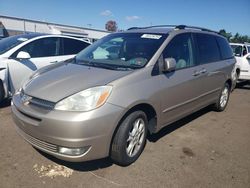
44,47
244,51
225,49
237,50
208,48
72,46
181,49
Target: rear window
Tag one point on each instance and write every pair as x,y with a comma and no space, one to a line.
225,49
208,48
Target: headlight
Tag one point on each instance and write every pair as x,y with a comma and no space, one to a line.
86,100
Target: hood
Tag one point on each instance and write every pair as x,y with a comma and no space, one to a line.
54,83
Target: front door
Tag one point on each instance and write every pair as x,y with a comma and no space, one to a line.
245,64
181,89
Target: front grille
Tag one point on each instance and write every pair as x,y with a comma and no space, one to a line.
38,143
42,103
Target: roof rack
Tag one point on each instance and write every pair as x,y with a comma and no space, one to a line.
194,27
153,26
176,27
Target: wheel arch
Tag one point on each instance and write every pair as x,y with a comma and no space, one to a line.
2,91
4,79
238,71
229,81
150,112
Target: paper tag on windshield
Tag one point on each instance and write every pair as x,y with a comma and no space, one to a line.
22,39
150,36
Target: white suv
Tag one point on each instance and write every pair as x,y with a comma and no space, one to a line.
21,55
242,55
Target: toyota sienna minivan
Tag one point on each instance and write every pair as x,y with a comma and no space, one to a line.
107,99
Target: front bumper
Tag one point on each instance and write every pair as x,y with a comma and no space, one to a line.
48,130
244,76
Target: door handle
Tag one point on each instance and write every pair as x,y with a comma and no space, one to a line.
196,73
203,71
54,62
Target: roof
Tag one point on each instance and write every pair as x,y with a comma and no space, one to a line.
28,35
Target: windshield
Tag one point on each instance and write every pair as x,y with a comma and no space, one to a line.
10,42
122,50
237,50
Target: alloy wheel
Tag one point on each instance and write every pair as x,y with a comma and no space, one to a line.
135,137
224,97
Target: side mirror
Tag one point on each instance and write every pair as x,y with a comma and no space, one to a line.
23,55
169,64
248,57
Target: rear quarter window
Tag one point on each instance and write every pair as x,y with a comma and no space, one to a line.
225,49
208,50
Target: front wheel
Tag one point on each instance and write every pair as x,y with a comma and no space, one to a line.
221,104
130,139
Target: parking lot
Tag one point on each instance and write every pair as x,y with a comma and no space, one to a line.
206,149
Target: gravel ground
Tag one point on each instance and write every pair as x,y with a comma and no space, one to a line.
206,149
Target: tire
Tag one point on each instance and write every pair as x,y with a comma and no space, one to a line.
130,139
222,101
1,92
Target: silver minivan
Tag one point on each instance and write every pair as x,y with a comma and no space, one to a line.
106,100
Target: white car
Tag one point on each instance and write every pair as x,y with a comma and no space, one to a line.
21,55
242,55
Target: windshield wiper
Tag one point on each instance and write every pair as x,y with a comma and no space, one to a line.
93,64
83,62
105,66
71,60
135,66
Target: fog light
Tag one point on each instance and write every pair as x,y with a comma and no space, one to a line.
73,151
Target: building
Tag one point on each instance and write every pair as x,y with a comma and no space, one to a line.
12,26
